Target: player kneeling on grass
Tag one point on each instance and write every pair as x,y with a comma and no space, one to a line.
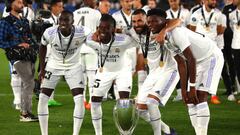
200,58
111,48
65,40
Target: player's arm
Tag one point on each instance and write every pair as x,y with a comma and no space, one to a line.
182,69
221,24
193,22
191,70
171,24
42,56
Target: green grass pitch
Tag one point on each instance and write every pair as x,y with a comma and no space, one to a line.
225,118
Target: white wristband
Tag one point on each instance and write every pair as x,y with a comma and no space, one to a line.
192,84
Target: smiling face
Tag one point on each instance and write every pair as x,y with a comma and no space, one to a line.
106,30
65,22
139,23
155,23
126,4
210,3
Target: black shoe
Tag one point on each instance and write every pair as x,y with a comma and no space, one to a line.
29,117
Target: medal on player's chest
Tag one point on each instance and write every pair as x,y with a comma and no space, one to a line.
207,23
161,63
63,61
101,69
207,27
102,58
145,61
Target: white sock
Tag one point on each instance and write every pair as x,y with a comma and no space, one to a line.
203,117
192,111
179,92
155,115
43,113
165,128
78,114
142,75
116,92
16,84
144,114
85,86
91,78
96,112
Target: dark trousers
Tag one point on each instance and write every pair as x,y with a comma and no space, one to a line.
228,72
236,57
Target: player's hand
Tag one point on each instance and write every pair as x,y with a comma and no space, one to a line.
119,30
41,75
185,97
160,37
95,36
25,45
192,96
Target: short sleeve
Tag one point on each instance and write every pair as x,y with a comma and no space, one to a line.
181,40
45,38
223,20
193,19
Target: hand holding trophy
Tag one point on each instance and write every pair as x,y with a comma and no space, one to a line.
125,116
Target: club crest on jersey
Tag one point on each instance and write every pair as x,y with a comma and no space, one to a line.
194,19
117,50
77,43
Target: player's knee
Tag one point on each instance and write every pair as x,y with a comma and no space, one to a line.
96,99
153,98
47,91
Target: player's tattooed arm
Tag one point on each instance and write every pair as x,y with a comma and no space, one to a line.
191,70
171,24
42,56
182,69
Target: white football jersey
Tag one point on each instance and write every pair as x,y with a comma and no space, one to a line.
181,13
197,20
121,24
235,28
115,58
90,18
202,46
192,10
155,53
57,60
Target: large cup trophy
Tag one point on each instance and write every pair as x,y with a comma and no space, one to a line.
125,116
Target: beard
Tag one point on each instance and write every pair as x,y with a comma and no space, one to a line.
212,6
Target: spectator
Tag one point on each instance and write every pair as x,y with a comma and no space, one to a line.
18,36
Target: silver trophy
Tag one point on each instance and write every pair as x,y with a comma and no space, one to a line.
125,116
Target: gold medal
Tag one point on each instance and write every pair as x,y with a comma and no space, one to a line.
207,28
101,69
63,61
238,27
161,63
145,61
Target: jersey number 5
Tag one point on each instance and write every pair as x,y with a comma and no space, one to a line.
96,83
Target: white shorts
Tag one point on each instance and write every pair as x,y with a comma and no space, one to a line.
89,61
104,81
131,59
209,73
161,81
73,77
